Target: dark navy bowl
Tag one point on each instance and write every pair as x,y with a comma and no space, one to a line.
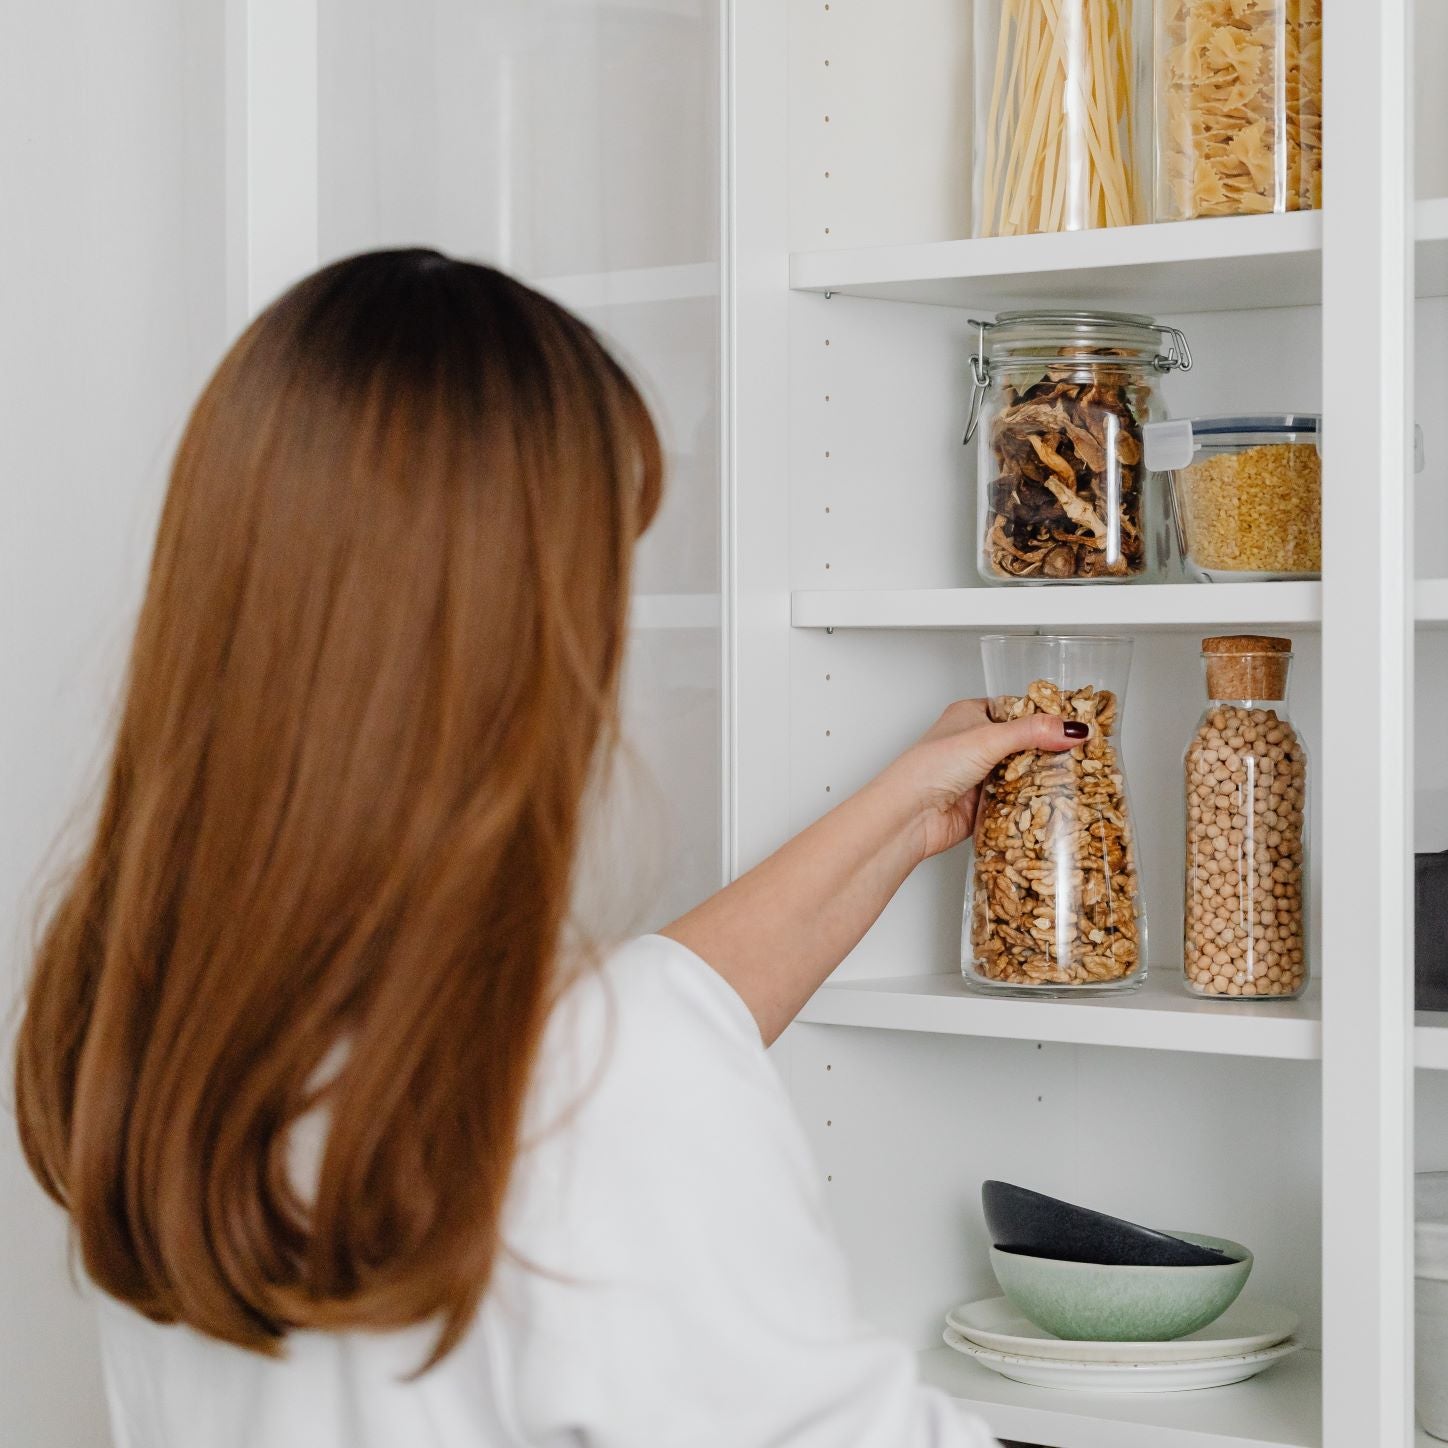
1026,1222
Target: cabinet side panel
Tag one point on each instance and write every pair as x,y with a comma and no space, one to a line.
880,121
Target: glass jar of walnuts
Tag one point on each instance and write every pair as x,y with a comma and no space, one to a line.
1052,907
1246,867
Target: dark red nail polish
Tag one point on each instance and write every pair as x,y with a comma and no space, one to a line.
1075,729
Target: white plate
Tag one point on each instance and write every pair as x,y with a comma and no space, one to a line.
1121,1377
1243,1328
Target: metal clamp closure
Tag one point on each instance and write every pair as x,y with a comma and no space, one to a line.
1178,353
980,375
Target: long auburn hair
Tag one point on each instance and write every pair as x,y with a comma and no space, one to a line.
374,673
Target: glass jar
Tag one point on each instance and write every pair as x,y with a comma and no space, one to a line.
1059,402
1238,107
1246,494
1052,907
1245,929
1060,115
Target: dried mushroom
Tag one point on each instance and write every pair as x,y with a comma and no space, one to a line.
1055,895
1066,501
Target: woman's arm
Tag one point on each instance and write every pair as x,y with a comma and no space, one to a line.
778,931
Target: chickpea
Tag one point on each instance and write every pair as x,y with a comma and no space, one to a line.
1246,777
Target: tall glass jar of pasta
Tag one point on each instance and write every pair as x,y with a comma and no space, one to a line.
1061,115
1238,107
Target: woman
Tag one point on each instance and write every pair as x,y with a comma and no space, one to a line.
363,1146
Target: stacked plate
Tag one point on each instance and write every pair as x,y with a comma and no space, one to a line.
1241,1343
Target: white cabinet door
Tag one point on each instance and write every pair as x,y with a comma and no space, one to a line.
575,143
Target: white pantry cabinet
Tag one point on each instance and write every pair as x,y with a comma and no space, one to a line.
765,205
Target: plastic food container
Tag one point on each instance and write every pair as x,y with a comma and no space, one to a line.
1062,113
1059,403
1053,905
1431,1300
1238,107
1246,494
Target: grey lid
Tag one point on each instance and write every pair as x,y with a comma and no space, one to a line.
1259,422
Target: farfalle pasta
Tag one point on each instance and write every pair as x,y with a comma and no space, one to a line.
1238,107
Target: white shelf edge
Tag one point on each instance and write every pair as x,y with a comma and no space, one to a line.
1215,263
994,257
1135,606
631,286
674,611
1430,601
1280,1409
1138,607
1430,221
1160,1016
1430,1040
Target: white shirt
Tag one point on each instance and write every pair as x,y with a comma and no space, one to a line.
673,1282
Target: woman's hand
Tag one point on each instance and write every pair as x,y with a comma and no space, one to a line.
942,774
777,932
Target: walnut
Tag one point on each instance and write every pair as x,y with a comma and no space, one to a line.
1055,893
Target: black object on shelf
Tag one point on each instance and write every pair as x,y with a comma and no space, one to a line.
1034,1225
1430,933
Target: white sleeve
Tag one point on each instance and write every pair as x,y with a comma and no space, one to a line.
686,1291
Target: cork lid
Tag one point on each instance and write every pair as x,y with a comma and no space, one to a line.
1247,666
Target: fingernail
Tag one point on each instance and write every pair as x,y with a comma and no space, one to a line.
1075,729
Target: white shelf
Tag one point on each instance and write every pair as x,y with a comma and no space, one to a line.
1139,608
632,286
1430,1040
1161,1016
674,610
1280,1409
1431,602
1134,606
1222,264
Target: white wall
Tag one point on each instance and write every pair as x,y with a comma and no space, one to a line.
111,275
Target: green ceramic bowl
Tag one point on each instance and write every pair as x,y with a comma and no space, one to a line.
1083,1301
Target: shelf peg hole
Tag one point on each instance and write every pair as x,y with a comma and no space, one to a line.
827,732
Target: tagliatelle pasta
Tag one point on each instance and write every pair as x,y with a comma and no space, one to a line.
1238,106
1056,145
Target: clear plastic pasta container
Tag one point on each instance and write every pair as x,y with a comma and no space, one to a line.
1238,107
1061,115
1246,494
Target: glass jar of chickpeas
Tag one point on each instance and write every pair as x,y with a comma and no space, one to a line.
1246,859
